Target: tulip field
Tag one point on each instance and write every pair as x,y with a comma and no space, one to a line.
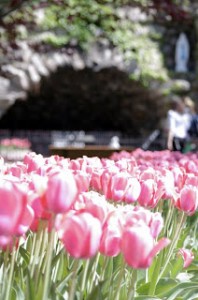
90,228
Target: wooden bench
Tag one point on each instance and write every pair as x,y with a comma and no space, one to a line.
90,151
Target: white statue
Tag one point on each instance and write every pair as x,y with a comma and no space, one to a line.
182,53
115,142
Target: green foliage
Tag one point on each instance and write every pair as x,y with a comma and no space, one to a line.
91,20
81,23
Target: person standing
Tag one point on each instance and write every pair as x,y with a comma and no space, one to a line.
178,124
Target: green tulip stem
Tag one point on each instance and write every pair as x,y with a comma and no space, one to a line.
36,254
47,276
74,280
104,266
94,271
173,244
169,217
5,270
120,279
34,238
132,288
11,272
155,275
85,275
41,253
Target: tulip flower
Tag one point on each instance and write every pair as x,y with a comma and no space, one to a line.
82,180
138,246
118,185
95,179
33,161
27,218
110,244
156,224
132,193
107,185
61,192
187,256
80,234
12,204
95,204
188,199
150,193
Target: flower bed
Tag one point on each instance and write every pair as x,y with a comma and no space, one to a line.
14,149
104,229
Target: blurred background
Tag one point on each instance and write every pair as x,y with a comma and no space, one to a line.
78,72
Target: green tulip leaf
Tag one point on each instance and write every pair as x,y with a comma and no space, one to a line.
143,288
25,255
165,285
178,290
96,293
146,298
30,287
177,266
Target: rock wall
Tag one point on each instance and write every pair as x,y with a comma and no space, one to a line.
73,90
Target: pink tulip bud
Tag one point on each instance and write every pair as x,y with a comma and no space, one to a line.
82,180
33,161
188,199
61,192
156,224
119,184
95,179
12,204
106,178
138,246
187,256
110,244
149,195
80,234
26,220
95,204
132,193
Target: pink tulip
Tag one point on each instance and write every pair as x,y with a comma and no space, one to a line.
95,204
12,204
138,246
110,244
165,181
133,216
150,193
61,192
149,173
33,161
188,199
118,186
132,193
156,224
39,211
26,220
82,180
17,169
191,179
80,234
188,164
75,164
106,178
6,242
95,179
179,176
187,256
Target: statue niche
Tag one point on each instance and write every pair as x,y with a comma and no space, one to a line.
182,51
